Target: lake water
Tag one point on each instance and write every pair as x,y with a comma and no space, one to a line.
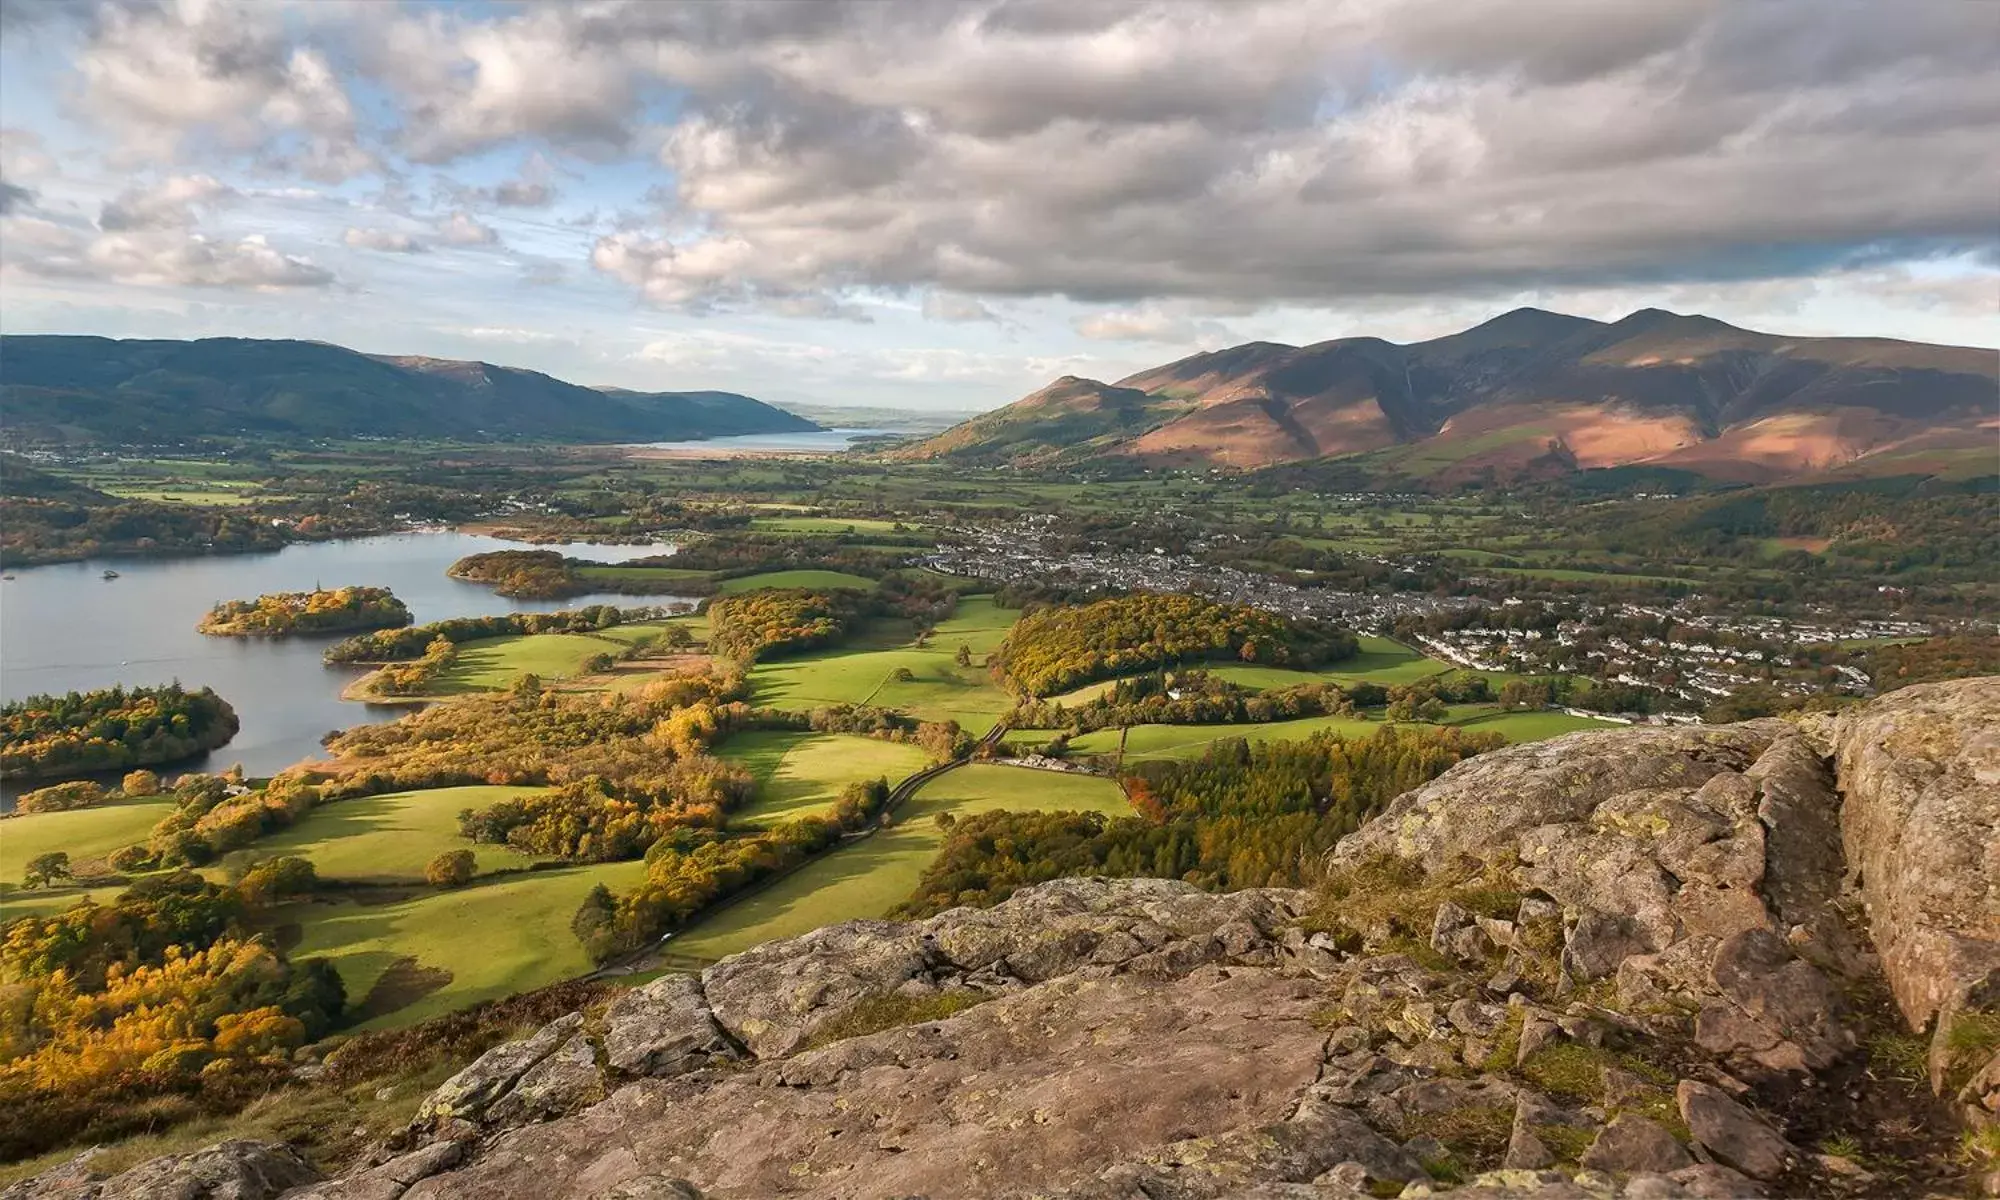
66,628
819,441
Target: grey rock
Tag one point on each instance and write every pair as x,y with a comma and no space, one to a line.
1732,1133
1479,808
664,1028
468,1094
228,1170
566,1079
1919,773
389,1180
1632,1143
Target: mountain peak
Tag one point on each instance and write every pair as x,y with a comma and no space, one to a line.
1654,387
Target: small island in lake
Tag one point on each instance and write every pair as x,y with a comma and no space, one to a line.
330,610
112,729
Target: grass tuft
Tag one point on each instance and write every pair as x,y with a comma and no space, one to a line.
892,1010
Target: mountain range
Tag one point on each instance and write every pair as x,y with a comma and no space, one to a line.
1528,392
92,389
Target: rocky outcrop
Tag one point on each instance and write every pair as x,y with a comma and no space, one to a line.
233,1170
1615,964
1919,771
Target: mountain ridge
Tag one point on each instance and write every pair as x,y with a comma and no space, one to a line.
1527,391
61,387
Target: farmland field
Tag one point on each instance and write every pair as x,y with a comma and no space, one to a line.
497,936
1190,741
388,838
807,578
87,835
869,878
802,773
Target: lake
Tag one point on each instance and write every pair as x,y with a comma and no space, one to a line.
819,441
66,627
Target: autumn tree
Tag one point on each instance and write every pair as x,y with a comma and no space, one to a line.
453,868
46,870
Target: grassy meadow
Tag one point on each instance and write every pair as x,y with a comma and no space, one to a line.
1191,741
87,835
799,774
938,688
388,838
878,872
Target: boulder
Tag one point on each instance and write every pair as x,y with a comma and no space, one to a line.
664,1028
468,1094
1478,809
228,1170
1631,1144
1732,1133
1919,774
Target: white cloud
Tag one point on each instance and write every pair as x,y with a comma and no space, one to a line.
164,76
463,229
1153,323
169,204
950,306
385,240
23,155
160,257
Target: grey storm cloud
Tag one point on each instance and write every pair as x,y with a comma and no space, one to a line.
1250,151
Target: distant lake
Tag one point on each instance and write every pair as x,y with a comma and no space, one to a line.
66,627
820,441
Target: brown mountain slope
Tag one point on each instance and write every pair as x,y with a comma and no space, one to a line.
1531,388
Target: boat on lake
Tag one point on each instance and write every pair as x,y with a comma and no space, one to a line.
110,574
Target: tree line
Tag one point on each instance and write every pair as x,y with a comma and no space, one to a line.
1054,649
326,610
110,729
1240,816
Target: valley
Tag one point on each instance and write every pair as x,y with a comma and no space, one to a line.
663,710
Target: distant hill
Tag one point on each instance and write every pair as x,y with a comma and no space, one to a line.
1529,392
94,389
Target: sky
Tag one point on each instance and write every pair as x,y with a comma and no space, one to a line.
947,205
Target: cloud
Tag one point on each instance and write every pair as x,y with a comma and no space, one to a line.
23,155
1153,323
1272,153
949,306
162,77
384,240
14,197
462,229
163,256
1129,155
168,205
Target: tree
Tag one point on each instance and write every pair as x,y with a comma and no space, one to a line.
964,656
140,783
279,879
903,675
46,870
453,868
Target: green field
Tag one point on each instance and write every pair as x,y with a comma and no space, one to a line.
825,525
801,773
388,838
87,835
938,690
870,877
501,935
806,578
1190,741
492,663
